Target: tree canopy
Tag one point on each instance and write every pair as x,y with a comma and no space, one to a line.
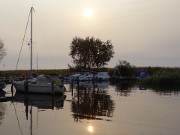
90,52
125,68
2,50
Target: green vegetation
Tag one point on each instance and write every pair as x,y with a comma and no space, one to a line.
126,69
63,72
163,78
157,75
90,53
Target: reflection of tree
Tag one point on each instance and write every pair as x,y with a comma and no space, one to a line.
2,105
91,102
124,87
2,111
164,90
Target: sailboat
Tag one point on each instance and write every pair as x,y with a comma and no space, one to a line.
41,84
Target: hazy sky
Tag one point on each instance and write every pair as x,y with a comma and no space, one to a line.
143,32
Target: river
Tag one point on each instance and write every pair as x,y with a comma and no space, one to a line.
100,109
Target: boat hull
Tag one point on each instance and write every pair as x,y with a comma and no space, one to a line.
45,88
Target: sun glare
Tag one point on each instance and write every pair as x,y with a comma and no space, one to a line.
88,12
90,129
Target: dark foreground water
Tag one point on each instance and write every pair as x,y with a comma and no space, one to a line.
103,109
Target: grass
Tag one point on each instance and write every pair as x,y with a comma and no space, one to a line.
163,78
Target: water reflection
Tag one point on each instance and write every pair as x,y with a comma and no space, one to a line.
2,111
141,87
90,102
164,90
90,84
2,105
124,87
90,129
40,101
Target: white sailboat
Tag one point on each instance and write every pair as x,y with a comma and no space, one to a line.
41,84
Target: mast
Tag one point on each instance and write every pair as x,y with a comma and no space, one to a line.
31,40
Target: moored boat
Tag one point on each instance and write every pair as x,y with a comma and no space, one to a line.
41,84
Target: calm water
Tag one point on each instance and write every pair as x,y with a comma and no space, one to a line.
103,109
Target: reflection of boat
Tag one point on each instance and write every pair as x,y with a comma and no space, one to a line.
41,84
90,84
2,94
2,85
103,85
41,101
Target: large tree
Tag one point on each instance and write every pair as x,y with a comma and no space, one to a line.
2,50
90,52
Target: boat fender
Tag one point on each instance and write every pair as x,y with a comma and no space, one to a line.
58,83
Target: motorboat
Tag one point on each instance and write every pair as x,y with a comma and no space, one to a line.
103,76
86,77
74,77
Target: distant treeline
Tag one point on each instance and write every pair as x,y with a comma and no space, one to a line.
125,71
64,72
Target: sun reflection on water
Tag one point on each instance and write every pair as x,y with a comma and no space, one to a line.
90,129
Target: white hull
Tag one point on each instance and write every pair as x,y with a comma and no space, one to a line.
103,76
44,88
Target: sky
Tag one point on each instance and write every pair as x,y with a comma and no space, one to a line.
143,32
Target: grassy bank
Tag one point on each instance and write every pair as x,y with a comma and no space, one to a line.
163,78
64,72
156,73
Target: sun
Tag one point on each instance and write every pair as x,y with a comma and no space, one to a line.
88,13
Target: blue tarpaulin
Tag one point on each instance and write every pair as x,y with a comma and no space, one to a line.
142,74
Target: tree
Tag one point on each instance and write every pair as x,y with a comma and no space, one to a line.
125,68
2,50
90,52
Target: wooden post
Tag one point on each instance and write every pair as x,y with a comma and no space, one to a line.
72,87
52,88
12,90
78,83
52,107
26,86
78,90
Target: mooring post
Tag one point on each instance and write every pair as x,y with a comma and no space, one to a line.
72,86
12,90
26,86
93,78
52,88
78,83
52,107
78,89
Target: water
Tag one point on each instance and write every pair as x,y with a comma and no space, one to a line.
103,109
